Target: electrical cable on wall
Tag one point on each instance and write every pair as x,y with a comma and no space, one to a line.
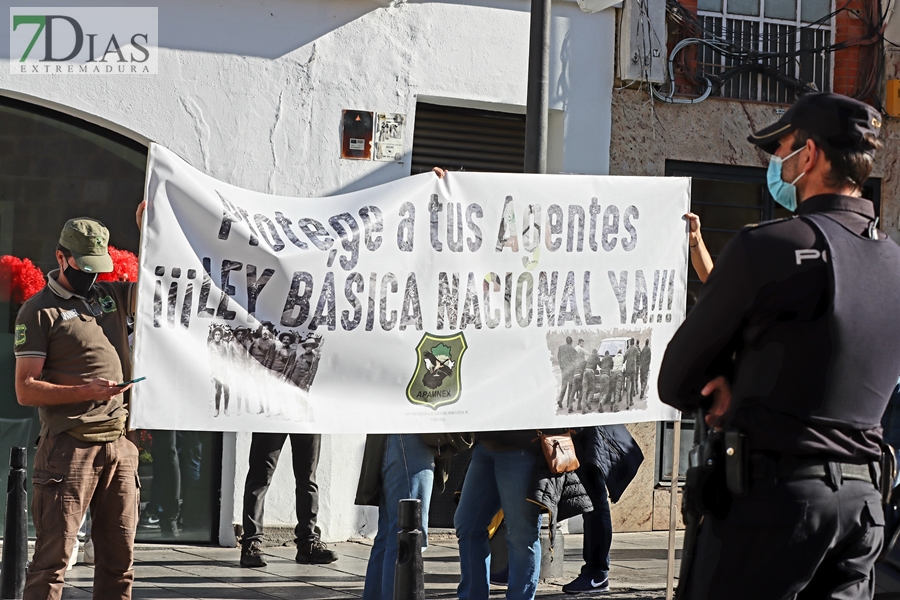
747,58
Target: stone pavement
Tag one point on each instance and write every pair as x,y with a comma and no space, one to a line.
162,572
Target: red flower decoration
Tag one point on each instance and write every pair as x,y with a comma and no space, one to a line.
125,266
20,279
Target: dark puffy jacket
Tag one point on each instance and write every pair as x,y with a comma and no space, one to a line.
561,496
607,453
443,445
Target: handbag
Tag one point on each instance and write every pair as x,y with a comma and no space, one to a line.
559,450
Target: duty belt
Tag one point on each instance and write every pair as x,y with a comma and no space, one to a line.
819,469
787,468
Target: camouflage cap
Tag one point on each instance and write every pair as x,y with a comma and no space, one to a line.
87,239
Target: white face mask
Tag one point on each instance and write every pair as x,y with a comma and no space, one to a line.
783,192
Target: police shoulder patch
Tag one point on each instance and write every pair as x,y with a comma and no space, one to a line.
20,334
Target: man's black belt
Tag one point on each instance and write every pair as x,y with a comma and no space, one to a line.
788,468
819,469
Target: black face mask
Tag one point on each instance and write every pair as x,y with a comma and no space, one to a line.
80,281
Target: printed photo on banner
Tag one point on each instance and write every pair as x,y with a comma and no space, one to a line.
243,362
601,371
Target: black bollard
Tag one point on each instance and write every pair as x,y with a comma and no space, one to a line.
409,575
15,534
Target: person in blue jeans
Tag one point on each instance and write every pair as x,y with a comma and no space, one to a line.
499,476
406,471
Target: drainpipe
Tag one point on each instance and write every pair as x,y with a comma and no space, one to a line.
537,111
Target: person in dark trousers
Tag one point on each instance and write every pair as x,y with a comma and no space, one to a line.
265,448
177,457
779,347
609,458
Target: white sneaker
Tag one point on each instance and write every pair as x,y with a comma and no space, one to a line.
89,552
74,558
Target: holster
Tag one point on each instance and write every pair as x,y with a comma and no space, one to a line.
737,461
709,479
706,492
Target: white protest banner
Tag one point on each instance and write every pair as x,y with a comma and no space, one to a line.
474,302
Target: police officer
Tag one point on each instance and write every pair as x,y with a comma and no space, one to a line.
773,351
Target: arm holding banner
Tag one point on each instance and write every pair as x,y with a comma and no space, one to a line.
700,258
139,213
139,219
699,350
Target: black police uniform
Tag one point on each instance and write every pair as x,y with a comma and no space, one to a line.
810,374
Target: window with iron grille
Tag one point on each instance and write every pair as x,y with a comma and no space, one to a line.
777,43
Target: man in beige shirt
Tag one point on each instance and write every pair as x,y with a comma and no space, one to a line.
72,354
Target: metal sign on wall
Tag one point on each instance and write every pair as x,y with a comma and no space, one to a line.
366,135
356,134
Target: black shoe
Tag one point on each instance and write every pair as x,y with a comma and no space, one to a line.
588,584
315,552
252,555
148,521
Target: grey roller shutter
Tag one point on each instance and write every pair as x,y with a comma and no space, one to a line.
467,139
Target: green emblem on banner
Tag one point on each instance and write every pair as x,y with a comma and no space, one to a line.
20,335
107,304
437,381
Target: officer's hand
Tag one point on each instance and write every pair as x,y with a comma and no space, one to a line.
720,390
103,389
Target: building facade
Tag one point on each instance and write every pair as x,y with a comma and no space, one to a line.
845,47
253,94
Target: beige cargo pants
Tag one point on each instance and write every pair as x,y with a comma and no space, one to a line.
70,475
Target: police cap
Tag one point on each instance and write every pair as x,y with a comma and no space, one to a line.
841,121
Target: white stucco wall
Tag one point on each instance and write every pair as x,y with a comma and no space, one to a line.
252,94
